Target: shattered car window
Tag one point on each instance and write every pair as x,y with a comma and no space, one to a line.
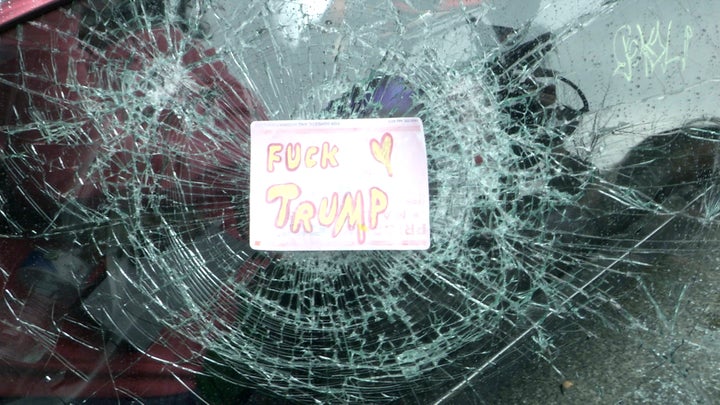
572,164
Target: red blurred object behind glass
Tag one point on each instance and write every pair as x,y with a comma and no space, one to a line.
13,11
36,68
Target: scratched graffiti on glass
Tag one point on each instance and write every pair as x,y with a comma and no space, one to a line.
642,49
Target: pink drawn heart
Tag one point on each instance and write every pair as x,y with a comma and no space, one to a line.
382,151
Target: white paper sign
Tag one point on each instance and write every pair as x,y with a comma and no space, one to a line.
356,184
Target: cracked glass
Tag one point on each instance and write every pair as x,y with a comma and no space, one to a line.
572,173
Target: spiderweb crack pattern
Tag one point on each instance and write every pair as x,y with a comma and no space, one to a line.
132,145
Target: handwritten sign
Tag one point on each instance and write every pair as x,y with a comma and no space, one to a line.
339,185
650,49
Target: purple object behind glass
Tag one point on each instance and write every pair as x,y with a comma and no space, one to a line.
383,97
